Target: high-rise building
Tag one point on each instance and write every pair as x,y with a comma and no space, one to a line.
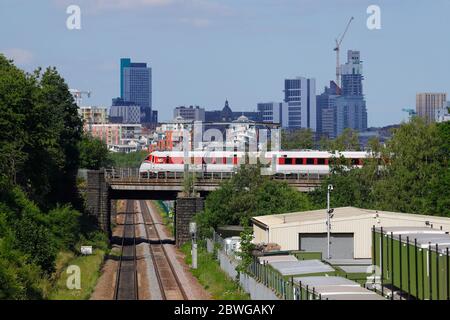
352,75
326,110
189,113
341,108
427,105
300,95
136,86
274,112
351,111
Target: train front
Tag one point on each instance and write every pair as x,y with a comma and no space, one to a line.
146,166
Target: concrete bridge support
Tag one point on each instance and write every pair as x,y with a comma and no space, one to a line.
185,210
98,200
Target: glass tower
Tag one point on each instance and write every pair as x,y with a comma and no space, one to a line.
136,86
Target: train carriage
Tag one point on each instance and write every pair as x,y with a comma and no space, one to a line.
286,162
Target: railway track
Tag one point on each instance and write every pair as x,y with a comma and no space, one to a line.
126,280
169,284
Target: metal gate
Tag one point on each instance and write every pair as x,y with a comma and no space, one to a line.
342,244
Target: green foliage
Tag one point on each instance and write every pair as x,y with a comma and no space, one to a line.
246,250
246,195
297,139
40,139
416,179
348,140
127,160
94,153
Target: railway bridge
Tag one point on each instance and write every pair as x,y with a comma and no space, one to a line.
106,186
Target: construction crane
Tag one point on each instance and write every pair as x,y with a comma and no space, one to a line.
337,49
411,112
77,95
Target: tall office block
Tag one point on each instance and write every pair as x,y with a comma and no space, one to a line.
136,86
427,105
326,110
300,96
350,113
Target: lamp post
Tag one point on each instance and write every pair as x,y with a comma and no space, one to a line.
329,216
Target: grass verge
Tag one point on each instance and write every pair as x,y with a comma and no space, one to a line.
167,217
90,269
212,277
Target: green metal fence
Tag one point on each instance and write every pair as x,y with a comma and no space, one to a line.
421,273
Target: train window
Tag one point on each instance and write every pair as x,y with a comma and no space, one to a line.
167,159
288,161
355,162
298,160
309,160
321,161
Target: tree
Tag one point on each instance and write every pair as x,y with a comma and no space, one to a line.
94,153
297,139
416,178
246,195
348,140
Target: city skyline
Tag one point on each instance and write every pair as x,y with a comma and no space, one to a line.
204,52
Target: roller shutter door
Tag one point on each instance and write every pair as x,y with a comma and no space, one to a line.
342,244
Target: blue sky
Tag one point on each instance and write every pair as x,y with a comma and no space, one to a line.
203,52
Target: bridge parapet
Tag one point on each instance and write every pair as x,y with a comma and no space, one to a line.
204,181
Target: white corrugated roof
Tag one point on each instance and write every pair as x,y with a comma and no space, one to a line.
314,215
342,213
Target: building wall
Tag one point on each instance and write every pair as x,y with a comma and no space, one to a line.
428,103
127,114
190,113
300,95
136,86
286,235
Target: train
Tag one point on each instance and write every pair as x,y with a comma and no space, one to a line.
281,162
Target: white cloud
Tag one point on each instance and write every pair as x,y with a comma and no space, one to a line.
196,22
20,56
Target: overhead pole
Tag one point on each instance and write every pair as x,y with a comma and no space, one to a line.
337,49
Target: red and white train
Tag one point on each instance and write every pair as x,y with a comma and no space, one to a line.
286,162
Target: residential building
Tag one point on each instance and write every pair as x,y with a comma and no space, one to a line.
427,104
300,95
93,115
116,133
189,113
136,87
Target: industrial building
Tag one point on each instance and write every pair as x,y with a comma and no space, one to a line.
351,230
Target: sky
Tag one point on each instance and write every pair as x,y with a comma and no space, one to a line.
202,52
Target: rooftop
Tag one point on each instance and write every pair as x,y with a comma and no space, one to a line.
345,213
